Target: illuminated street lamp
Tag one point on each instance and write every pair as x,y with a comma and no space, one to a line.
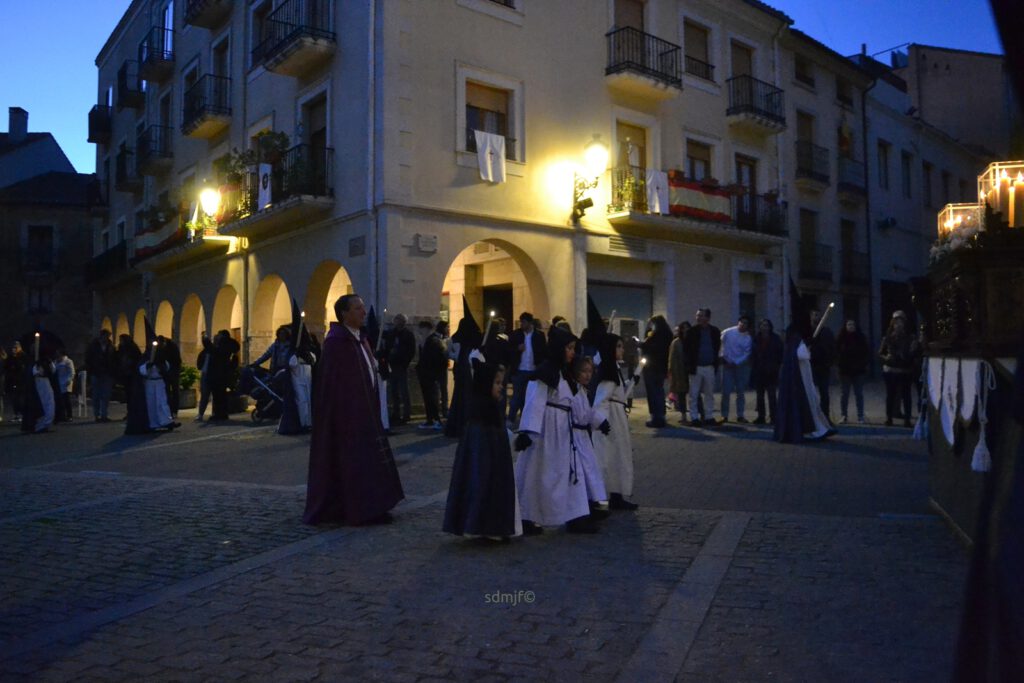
595,157
209,200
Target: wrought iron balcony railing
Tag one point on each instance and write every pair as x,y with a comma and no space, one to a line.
99,124
812,161
156,53
130,89
292,21
699,68
113,260
209,96
748,95
851,176
816,262
630,49
510,144
153,148
126,174
856,267
759,213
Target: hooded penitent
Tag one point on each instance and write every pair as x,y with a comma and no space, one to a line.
469,337
608,371
554,365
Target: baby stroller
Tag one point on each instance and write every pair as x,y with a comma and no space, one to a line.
258,383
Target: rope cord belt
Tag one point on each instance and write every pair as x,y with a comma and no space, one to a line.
573,477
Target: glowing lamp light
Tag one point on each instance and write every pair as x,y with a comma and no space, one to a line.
595,157
209,199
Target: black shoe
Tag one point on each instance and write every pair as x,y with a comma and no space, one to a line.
581,525
617,502
888,422
908,423
598,512
696,423
655,424
532,528
758,421
742,420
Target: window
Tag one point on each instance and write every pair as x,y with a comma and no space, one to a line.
844,91
695,45
258,27
39,248
109,100
926,183
629,14
808,227
220,59
120,231
847,234
698,160
104,241
804,127
945,188
883,164
632,145
906,159
140,222
742,60
40,299
487,110
804,71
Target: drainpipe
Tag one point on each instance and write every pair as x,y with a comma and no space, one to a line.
375,125
243,247
867,215
779,178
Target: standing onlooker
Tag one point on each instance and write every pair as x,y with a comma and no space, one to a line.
65,369
431,369
128,359
678,374
400,345
222,365
279,351
701,347
172,354
203,364
655,349
17,365
897,354
101,366
767,362
823,356
528,347
852,358
737,345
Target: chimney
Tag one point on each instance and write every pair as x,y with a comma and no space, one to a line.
864,49
17,126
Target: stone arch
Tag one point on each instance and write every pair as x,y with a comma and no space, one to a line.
272,308
191,326
499,274
164,324
227,312
328,283
105,324
121,327
139,328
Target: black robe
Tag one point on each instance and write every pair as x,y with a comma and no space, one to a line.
482,493
137,421
289,423
792,412
32,406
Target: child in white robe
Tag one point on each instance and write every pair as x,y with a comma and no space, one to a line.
587,419
615,449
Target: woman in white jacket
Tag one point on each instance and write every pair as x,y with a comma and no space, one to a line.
615,449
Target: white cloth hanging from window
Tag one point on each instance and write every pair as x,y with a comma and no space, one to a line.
657,191
490,154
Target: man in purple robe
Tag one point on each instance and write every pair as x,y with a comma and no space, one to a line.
353,478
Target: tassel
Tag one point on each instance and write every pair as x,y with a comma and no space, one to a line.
982,459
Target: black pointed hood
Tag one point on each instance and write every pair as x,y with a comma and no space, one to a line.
552,368
608,371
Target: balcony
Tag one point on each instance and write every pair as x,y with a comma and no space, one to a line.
207,107
110,266
755,106
697,213
156,55
131,92
179,246
641,64
154,152
301,191
856,268
816,262
510,144
851,186
126,174
297,37
99,124
208,13
700,68
812,168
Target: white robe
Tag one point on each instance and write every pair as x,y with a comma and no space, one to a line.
615,451
585,415
302,383
156,397
547,494
45,391
821,424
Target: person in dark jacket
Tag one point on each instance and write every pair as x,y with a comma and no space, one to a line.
128,359
897,353
701,348
101,366
203,364
852,358
400,345
221,370
655,350
767,356
172,355
431,370
823,357
528,348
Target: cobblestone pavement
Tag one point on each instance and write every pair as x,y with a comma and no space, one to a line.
182,557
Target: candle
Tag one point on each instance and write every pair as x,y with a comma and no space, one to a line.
1004,196
821,323
1017,204
611,319
487,331
35,345
380,329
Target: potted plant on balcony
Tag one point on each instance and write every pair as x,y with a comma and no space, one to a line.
270,148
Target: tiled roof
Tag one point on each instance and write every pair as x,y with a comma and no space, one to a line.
55,188
770,10
6,145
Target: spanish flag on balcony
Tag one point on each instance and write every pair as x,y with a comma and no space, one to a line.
694,200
